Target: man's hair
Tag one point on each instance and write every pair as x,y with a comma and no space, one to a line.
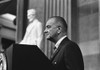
62,21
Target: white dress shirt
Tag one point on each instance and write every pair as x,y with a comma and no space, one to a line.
59,41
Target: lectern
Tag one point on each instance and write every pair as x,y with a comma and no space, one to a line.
29,57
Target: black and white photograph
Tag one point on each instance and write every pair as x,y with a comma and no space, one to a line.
49,35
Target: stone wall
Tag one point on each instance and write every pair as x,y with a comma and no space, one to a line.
88,32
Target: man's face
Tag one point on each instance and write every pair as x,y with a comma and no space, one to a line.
51,30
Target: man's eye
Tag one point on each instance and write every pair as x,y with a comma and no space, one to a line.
48,26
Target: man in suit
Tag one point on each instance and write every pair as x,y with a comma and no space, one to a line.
68,55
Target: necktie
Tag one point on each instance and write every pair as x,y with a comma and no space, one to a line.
54,49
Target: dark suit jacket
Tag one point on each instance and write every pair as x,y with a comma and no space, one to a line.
68,56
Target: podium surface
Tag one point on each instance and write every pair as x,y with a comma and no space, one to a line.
29,57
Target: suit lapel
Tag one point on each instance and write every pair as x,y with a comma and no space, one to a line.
65,41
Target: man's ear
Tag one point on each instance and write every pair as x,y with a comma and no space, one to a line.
59,29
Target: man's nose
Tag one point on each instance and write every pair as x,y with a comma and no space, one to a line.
45,31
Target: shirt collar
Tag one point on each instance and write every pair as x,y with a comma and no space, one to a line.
59,41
